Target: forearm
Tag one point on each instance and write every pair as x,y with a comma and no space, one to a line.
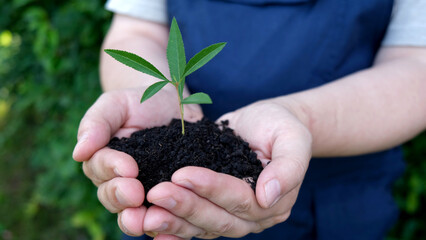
368,111
146,39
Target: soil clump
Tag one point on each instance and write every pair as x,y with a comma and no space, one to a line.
160,151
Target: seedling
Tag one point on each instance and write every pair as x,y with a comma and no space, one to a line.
179,68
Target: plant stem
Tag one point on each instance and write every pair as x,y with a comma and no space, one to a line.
181,118
180,108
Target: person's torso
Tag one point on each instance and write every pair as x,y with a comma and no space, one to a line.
277,47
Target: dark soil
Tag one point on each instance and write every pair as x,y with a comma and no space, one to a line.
160,151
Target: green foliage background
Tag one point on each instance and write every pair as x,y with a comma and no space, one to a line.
48,71
48,78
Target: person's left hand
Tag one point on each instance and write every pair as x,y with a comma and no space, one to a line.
205,204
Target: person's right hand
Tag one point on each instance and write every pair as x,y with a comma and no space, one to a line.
119,113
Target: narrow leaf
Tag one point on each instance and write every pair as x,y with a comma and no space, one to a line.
176,52
135,62
197,98
153,89
203,57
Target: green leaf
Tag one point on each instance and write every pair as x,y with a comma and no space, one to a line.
135,62
176,52
197,98
203,57
153,89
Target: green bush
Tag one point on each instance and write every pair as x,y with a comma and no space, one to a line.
410,193
48,78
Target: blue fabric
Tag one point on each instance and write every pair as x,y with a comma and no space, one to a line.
277,47
349,207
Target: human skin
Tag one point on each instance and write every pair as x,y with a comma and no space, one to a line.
368,111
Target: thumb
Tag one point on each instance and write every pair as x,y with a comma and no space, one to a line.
286,171
97,126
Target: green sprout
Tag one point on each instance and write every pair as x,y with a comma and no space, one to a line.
179,68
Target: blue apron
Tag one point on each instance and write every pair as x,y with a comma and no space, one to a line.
278,47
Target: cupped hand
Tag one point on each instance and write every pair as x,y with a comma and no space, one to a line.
202,203
119,113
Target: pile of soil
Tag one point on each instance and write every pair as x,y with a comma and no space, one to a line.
160,151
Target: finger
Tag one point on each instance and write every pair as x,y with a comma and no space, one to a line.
130,221
234,195
291,153
160,221
107,164
226,191
98,125
200,212
120,193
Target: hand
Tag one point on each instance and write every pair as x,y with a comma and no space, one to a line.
202,203
119,113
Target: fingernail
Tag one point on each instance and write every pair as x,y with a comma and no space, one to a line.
83,138
161,228
272,192
120,198
265,162
80,141
117,172
167,203
186,184
123,226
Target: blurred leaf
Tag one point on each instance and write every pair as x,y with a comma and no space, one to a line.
5,38
4,109
86,219
20,3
